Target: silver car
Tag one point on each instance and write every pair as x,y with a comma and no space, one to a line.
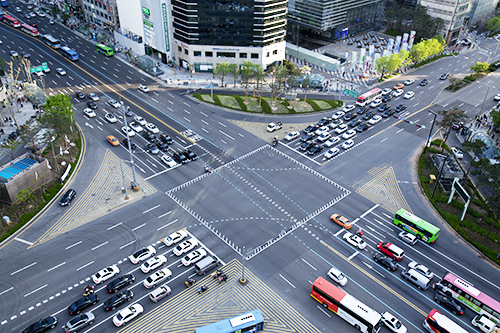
79,322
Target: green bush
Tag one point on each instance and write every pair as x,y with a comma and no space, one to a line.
314,105
265,107
217,100
241,102
333,104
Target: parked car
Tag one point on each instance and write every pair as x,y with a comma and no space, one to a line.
449,303
67,197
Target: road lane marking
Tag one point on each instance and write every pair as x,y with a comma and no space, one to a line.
98,246
308,264
22,269
124,246
23,241
138,227
287,281
339,232
87,264
7,290
222,124
77,243
166,225
114,226
150,209
37,289
353,255
162,215
226,134
57,266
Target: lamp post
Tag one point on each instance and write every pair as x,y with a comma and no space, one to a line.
439,175
129,147
484,100
430,132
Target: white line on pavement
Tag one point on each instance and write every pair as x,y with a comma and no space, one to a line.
21,269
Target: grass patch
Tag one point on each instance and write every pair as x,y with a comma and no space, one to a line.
323,105
228,101
300,107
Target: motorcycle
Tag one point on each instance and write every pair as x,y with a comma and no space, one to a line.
275,142
207,170
222,278
216,274
360,232
88,290
202,289
189,283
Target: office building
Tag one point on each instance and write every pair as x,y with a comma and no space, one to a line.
481,11
102,13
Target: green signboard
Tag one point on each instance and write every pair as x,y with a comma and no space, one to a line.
352,93
146,11
165,26
41,68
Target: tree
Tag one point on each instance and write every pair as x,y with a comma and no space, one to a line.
259,76
380,66
278,79
233,69
480,67
419,52
221,70
24,195
495,117
476,148
493,24
306,84
247,75
449,118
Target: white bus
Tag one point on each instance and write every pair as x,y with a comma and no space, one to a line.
51,41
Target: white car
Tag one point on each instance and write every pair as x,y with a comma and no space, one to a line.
114,103
457,152
18,9
110,118
89,112
332,141
185,246
386,91
338,114
321,130
421,269
153,263
324,136
341,129
105,274
348,144
409,94
157,277
292,135
272,126
143,88
135,126
152,127
348,108
40,13
497,97
168,161
142,254
60,71
193,257
408,82
354,240
93,97
127,314
393,323
332,152
128,130
32,14
408,237
398,92
375,119
334,124
140,120
376,103
349,134
175,237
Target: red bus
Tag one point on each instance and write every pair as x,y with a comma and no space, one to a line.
368,97
30,30
346,307
438,323
471,297
11,21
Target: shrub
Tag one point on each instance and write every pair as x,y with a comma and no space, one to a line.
314,105
217,100
333,104
265,107
241,102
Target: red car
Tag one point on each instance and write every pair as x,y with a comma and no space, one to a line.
391,250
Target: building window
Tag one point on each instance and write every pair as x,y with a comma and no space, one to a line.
267,55
179,49
243,55
209,54
197,53
226,54
275,52
255,56
186,51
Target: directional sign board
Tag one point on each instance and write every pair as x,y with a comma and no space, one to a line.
41,68
352,93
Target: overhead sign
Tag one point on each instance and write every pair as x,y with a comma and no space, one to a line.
146,11
41,68
352,93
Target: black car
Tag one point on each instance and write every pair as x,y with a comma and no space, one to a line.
132,144
350,116
26,54
152,148
92,105
325,121
83,303
400,107
388,113
386,98
444,76
387,262
118,299
368,115
67,197
424,82
162,146
355,123
307,137
362,127
80,95
179,158
306,145
362,109
314,149
41,325
311,128
457,126
165,138
148,135
384,107
449,303
190,155
120,282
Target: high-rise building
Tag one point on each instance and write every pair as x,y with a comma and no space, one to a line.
481,11
332,20
208,32
102,13
453,12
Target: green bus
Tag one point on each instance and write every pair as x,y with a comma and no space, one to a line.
106,50
415,225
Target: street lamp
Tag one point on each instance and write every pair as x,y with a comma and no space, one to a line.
128,141
427,144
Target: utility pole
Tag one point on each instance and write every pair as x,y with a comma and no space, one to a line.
430,132
134,183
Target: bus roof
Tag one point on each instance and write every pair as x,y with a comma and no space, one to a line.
226,325
469,288
445,322
330,289
103,46
369,93
415,219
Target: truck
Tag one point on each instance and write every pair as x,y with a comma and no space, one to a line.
485,324
272,126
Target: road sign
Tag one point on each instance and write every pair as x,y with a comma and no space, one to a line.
352,93
41,68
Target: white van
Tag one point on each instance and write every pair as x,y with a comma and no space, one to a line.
337,276
159,293
421,281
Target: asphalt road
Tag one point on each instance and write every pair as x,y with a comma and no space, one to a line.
257,195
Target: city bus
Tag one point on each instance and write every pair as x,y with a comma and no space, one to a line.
474,299
438,323
368,97
69,53
347,307
414,224
51,41
106,50
11,21
5,3
252,321
30,30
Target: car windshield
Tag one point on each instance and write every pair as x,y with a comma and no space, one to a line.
74,321
119,317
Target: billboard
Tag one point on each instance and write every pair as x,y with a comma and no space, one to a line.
412,38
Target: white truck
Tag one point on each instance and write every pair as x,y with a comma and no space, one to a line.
272,126
485,324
